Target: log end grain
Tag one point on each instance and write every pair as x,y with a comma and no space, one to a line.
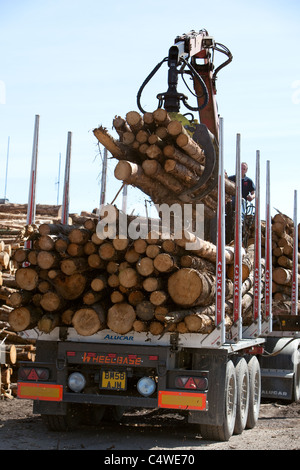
185,286
120,318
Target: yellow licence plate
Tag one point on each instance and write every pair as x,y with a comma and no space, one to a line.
113,380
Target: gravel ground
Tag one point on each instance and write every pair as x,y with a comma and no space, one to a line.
278,428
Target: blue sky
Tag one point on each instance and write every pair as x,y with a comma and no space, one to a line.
79,63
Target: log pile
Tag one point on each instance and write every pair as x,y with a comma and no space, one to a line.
13,348
76,279
158,155
13,232
282,260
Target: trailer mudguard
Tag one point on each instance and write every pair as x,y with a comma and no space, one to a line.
215,362
280,368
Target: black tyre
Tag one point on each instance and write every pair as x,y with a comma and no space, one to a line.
242,404
254,392
114,413
93,414
61,423
224,431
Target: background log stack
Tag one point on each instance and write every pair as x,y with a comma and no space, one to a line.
282,256
77,279
157,155
13,232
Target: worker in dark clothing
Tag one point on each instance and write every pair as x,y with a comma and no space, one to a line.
248,187
248,194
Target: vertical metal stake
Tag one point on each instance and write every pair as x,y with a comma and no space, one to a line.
268,253
66,193
6,171
103,180
257,254
32,184
237,281
295,261
124,199
220,262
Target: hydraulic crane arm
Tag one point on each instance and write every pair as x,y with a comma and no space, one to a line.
183,59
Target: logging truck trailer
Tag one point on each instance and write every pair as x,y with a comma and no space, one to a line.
216,379
218,386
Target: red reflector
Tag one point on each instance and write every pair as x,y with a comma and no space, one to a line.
191,383
112,355
153,358
132,356
91,354
32,375
71,353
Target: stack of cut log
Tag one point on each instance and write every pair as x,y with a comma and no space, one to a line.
77,279
13,218
282,260
14,231
13,350
157,155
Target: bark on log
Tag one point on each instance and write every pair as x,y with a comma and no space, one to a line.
109,142
188,177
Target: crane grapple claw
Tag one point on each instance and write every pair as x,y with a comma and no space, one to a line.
208,180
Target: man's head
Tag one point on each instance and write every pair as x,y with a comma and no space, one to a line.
244,169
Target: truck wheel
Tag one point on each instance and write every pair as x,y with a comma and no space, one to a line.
254,392
242,405
225,430
114,413
55,423
67,422
93,414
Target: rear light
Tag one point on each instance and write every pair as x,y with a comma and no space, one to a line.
34,373
153,358
191,383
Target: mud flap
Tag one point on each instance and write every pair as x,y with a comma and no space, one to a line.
278,371
213,361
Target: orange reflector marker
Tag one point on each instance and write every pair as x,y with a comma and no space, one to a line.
182,400
47,392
